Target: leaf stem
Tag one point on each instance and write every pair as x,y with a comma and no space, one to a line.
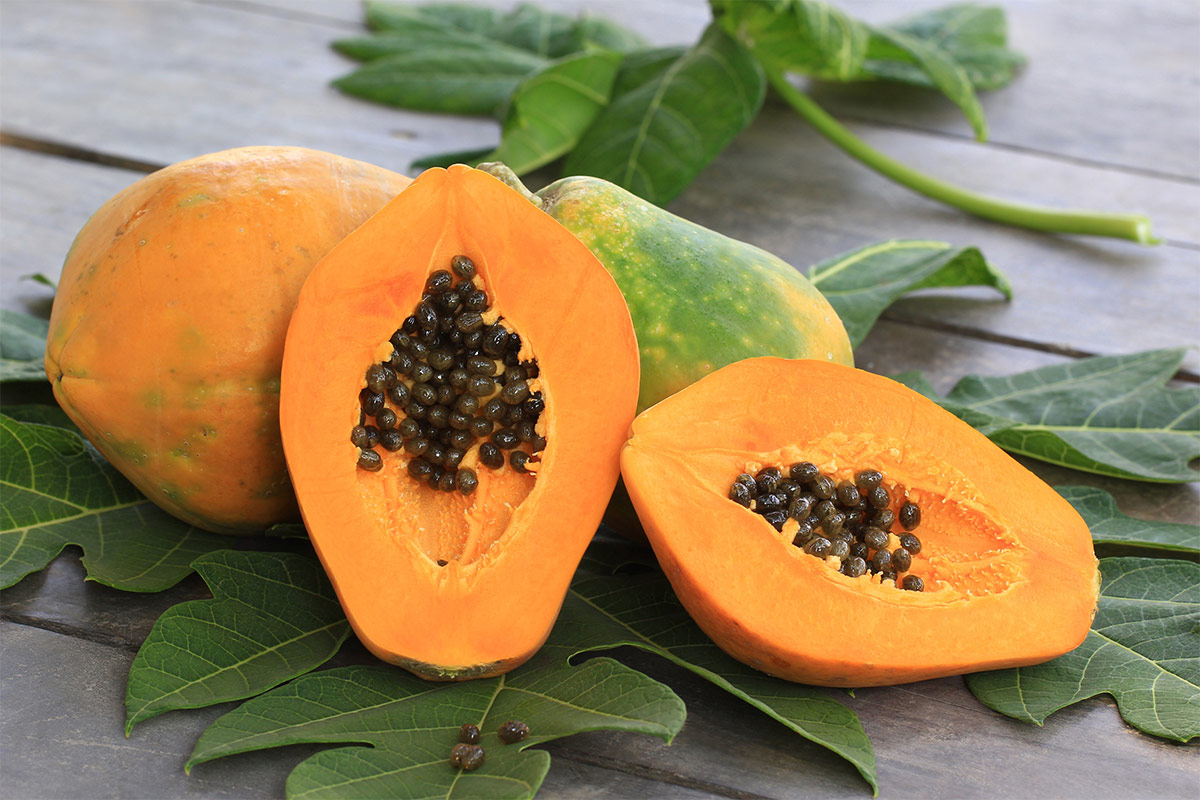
1135,227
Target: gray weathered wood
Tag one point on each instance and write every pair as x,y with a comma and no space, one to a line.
1111,84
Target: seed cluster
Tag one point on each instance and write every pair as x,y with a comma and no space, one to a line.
468,755
849,520
452,381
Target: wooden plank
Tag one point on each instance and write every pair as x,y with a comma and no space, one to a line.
1115,85
46,200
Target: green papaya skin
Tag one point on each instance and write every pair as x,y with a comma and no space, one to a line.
699,300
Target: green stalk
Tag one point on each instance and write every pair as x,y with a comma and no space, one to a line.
1135,227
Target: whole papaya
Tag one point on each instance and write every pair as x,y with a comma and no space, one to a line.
699,300
166,336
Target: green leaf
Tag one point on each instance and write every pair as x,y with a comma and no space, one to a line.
1111,415
942,71
273,616
552,108
653,139
22,346
58,491
457,81
815,39
41,414
412,724
1143,649
526,27
1110,527
542,32
803,36
37,277
417,39
431,17
976,37
592,32
860,284
287,530
642,611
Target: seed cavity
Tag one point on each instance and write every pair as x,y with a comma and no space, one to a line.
454,392
846,523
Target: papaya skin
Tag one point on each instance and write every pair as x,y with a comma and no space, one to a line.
699,299
446,585
1011,577
166,335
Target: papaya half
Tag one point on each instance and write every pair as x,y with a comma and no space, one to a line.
830,526
699,299
459,376
166,335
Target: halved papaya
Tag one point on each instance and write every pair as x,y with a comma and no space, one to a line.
830,526
458,379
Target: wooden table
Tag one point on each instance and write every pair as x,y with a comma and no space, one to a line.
1107,116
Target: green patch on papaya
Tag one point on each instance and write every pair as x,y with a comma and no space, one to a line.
153,398
199,198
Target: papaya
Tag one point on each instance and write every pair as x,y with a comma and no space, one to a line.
699,299
830,526
459,376
166,334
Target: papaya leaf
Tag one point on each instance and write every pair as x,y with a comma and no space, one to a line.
418,39
644,66
38,277
431,17
411,724
1143,649
1111,415
815,39
22,345
939,67
1110,527
642,611
595,32
976,37
536,30
526,27
656,136
464,80
804,36
552,108
58,491
273,616
287,530
860,284
41,414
